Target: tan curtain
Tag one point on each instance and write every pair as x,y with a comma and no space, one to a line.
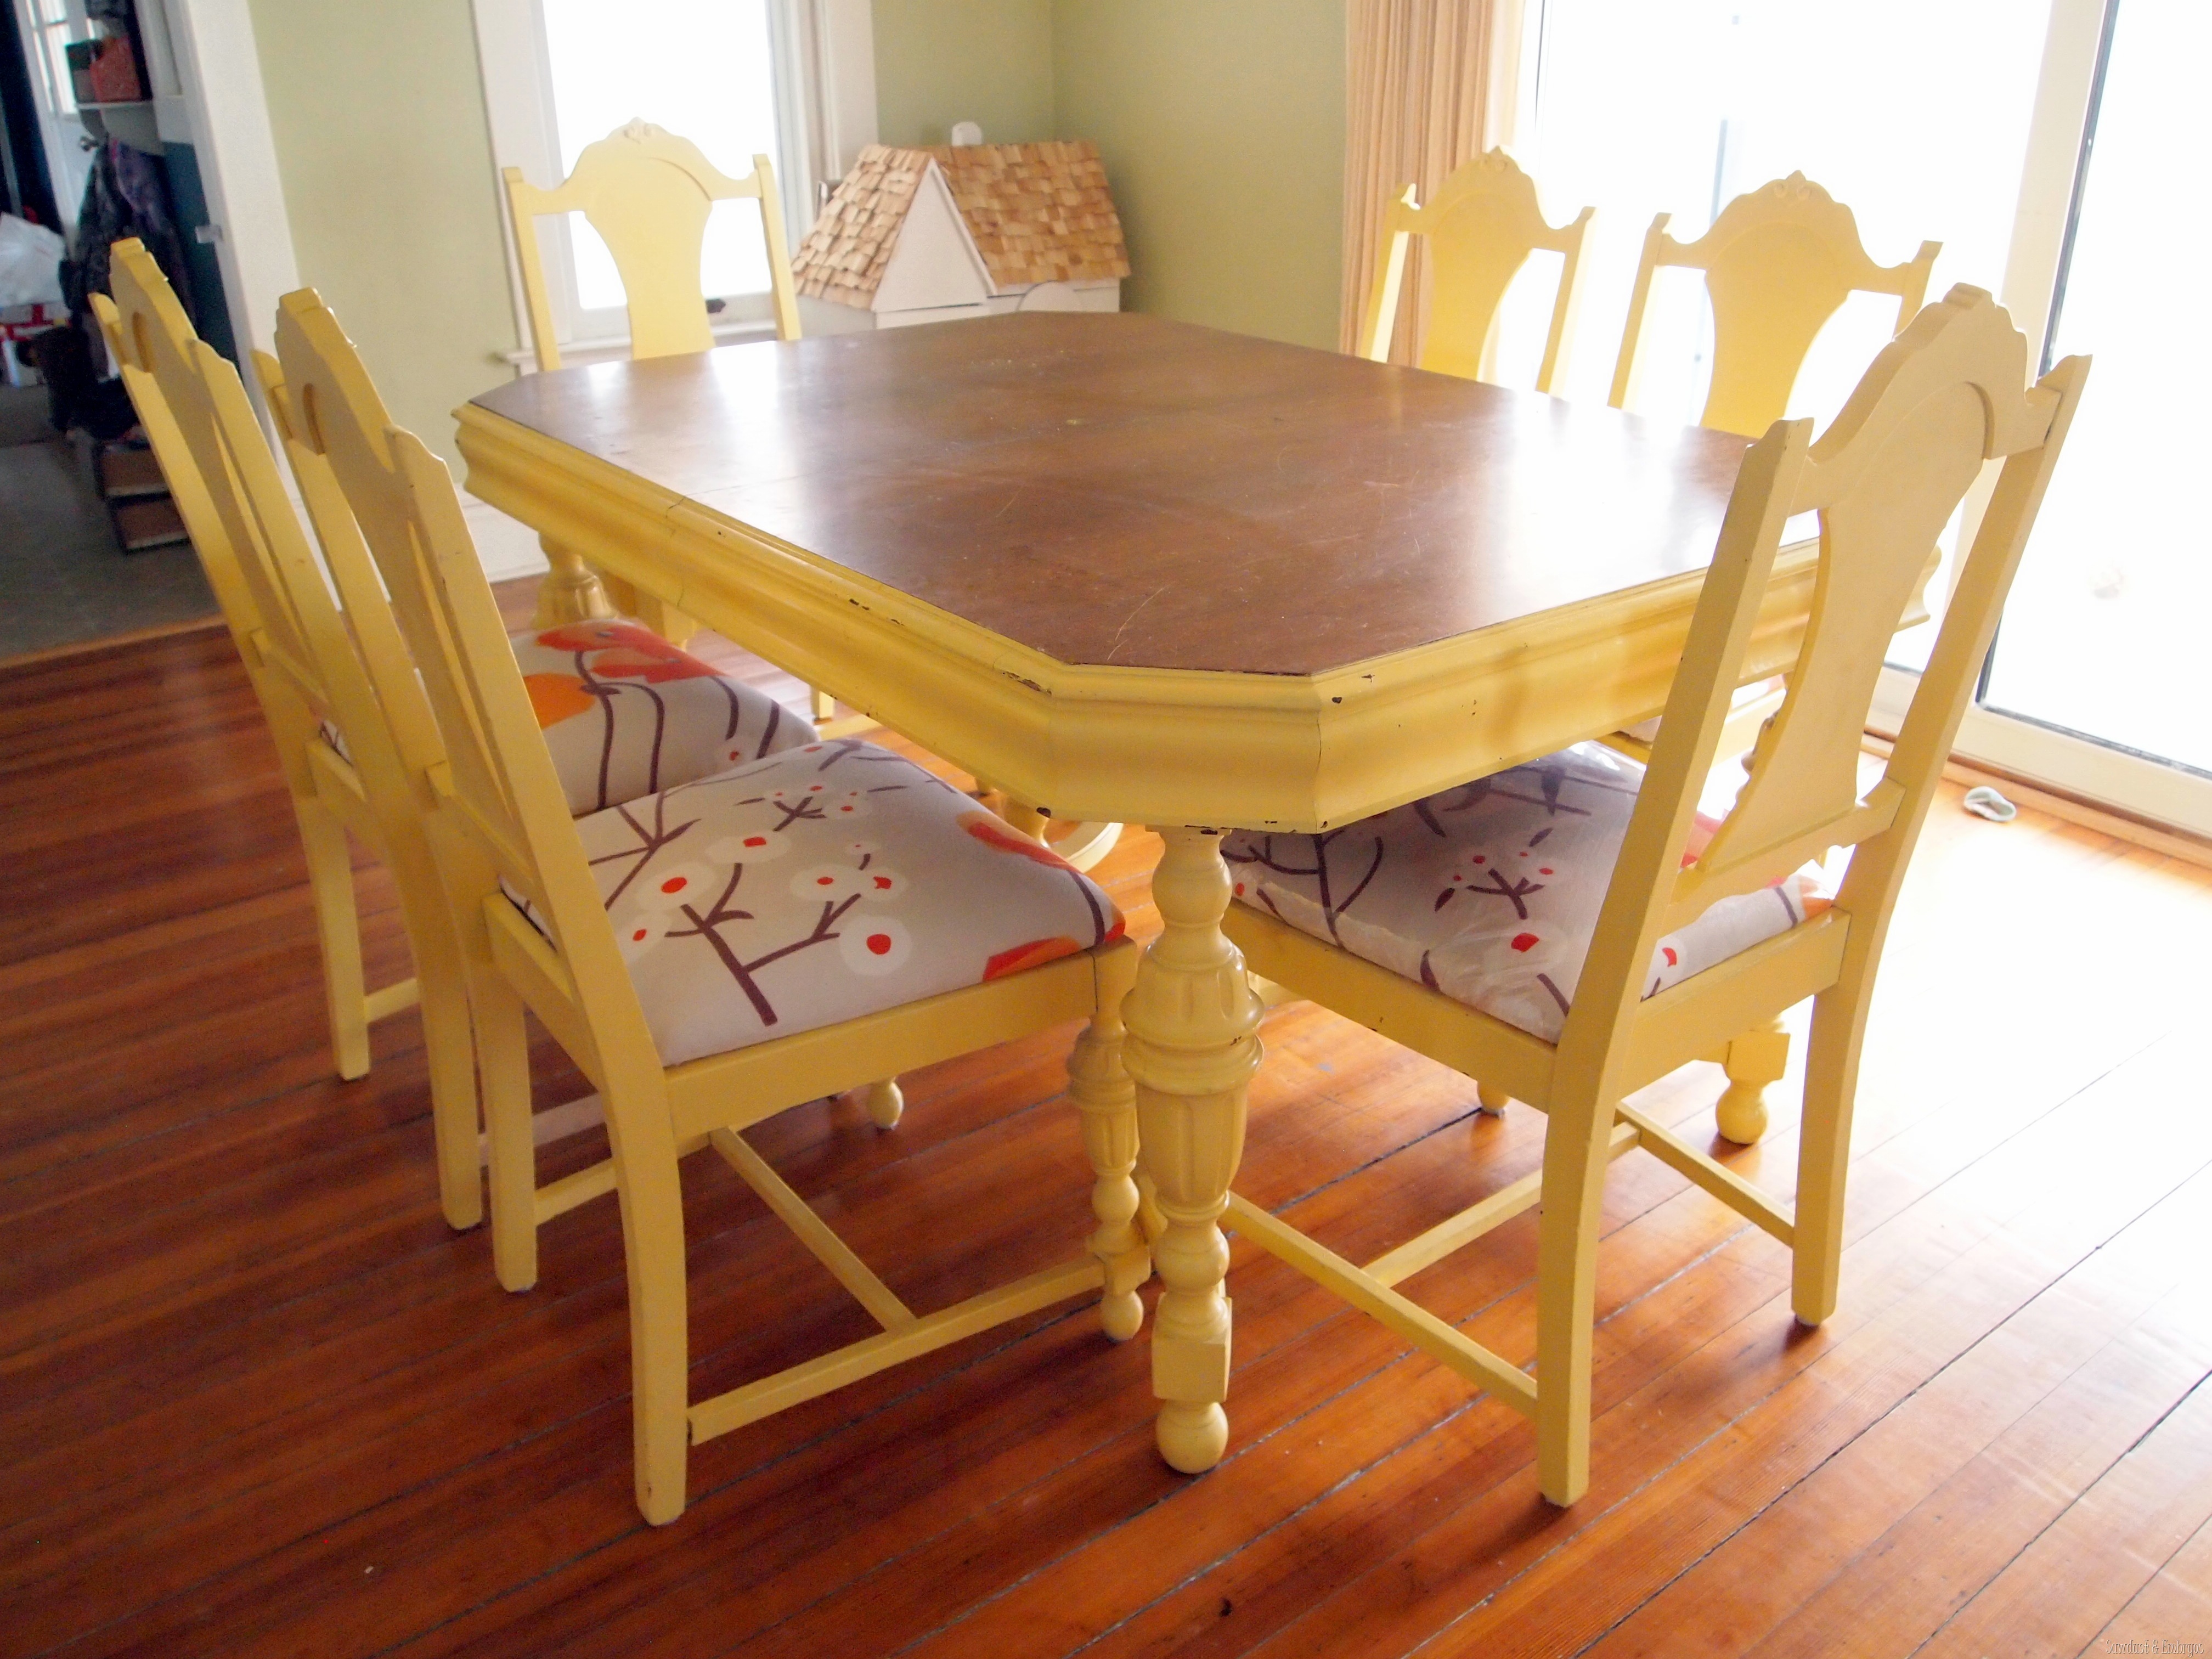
1430,84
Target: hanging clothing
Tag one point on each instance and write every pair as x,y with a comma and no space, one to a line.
127,195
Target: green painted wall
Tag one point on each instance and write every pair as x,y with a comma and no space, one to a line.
942,61
1222,126
378,119
1221,121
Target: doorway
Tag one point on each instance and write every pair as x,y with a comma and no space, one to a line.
2103,639
2051,146
90,546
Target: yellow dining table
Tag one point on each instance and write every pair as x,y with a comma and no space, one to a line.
1134,570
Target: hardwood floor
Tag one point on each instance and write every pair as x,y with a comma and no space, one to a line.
256,1399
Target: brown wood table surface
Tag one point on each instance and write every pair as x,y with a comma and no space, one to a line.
1134,570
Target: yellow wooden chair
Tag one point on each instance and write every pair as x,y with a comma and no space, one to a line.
620,932
1479,230
1574,1024
1778,263
647,193
343,677
302,658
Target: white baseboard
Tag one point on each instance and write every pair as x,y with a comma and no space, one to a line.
2170,796
507,547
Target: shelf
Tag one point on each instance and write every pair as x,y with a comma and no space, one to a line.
144,524
132,123
128,473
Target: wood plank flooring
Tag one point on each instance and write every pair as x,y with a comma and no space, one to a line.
256,1399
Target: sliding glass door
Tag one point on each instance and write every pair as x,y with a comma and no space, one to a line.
2057,149
2106,636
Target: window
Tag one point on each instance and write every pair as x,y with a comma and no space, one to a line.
1914,113
48,28
790,79
2103,632
704,68
1963,122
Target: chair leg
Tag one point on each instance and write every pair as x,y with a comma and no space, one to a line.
650,1193
1489,1097
449,1040
1752,1061
337,928
1103,1093
1824,1148
884,1103
503,1062
448,1030
823,705
1576,1143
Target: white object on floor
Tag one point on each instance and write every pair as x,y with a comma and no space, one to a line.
1984,802
30,263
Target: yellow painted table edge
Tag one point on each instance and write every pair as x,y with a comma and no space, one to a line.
1282,752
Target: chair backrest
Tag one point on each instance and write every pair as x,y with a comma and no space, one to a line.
647,193
218,559
1778,263
504,817
1479,230
382,652
296,640
1945,396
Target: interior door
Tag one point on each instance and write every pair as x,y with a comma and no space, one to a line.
47,26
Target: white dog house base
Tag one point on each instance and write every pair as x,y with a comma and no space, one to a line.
933,236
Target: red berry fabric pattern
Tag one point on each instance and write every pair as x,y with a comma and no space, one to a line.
820,884
1489,892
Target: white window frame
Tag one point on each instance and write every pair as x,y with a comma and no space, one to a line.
2139,786
825,83
55,115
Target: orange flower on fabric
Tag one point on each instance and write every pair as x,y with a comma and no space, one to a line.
653,668
600,636
1035,954
556,697
994,833
626,651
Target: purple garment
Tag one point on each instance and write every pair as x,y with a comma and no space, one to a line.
128,195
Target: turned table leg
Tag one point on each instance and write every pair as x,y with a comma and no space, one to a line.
1191,1050
570,591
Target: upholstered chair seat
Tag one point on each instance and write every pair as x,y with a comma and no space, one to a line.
1489,892
625,713
818,885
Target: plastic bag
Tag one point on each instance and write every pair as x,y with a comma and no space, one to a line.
30,263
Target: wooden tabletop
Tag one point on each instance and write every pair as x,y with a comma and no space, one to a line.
1117,491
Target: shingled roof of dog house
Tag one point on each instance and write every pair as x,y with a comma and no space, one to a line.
963,227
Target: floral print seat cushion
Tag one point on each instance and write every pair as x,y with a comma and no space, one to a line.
1489,892
625,713
818,885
